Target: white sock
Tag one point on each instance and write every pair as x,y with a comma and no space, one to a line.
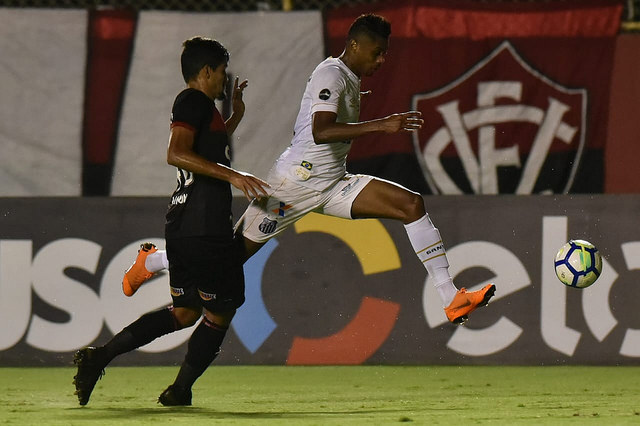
427,243
156,261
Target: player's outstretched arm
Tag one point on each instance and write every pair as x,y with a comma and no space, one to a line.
327,130
251,186
237,106
180,154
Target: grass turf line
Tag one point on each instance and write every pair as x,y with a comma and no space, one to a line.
249,395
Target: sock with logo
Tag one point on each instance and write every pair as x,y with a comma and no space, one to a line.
427,243
142,331
203,348
156,261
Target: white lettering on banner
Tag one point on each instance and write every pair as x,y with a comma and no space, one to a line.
631,343
553,307
45,274
15,290
510,276
51,284
595,303
595,299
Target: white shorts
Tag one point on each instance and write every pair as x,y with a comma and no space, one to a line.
290,201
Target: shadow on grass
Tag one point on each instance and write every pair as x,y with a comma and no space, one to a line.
118,413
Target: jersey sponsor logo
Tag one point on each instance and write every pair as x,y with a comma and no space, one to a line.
177,291
282,208
501,127
179,199
268,226
324,94
206,296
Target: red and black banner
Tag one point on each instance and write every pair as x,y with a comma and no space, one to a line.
515,96
110,40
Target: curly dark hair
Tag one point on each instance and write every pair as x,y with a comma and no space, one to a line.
371,25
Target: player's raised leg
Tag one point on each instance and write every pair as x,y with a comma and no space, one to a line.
150,260
384,199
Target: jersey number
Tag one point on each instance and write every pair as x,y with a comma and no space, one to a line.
185,178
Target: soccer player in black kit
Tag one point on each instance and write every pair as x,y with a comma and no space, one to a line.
206,275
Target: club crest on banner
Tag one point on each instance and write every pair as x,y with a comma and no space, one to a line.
501,127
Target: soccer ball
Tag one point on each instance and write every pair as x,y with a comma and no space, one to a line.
578,264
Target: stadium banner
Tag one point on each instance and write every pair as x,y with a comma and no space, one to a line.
623,150
515,96
42,69
110,45
276,52
334,291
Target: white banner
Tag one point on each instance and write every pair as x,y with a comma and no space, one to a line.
275,51
42,90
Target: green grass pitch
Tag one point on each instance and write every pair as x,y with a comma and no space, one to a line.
356,395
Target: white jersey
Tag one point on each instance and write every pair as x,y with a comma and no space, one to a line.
332,87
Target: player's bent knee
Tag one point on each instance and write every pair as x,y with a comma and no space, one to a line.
220,318
186,317
413,209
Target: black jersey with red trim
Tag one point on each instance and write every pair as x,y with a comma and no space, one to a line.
201,205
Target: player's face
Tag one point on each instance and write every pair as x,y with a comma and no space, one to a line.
217,81
371,54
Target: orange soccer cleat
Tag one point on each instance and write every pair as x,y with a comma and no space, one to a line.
466,302
137,273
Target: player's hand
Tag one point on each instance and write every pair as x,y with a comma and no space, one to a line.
405,121
237,104
251,186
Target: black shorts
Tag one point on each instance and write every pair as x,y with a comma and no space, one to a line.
204,272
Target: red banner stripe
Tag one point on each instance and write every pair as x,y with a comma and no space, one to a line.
110,43
463,19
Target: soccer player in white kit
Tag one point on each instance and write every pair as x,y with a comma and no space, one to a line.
311,175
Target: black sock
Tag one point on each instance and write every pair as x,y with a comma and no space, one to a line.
142,331
204,346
